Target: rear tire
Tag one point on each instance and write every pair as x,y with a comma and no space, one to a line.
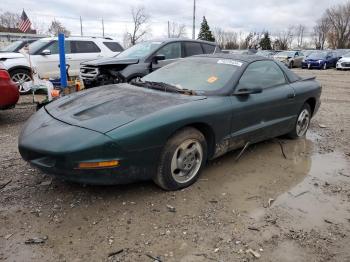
302,123
183,157
20,76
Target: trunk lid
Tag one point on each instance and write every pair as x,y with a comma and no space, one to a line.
108,107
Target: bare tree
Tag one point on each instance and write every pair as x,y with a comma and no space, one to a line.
9,20
226,39
56,27
339,19
139,19
321,31
300,32
177,30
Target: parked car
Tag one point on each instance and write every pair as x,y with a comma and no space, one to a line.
320,60
167,125
43,57
140,60
344,62
44,53
16,46
290,58
9,93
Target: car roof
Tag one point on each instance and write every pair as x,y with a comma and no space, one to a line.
244,58
167,40
81,38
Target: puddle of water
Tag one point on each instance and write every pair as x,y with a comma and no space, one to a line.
307,202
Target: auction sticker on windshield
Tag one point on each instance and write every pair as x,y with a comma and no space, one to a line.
230,62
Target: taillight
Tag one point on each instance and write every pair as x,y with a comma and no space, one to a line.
4,75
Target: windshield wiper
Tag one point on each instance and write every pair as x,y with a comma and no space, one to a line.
164,87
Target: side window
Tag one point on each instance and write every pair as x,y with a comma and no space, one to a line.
208,49
85,47
192,48
262,74
170,51
54,49
113,46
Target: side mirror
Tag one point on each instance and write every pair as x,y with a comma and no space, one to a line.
157,58
248,91
46,52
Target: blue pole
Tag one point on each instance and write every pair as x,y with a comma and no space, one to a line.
63,71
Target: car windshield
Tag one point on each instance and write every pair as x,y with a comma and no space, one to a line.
211,74
346,55
13,47
37,45
140,50
286,53
318,55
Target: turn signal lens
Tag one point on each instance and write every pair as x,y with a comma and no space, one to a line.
89,165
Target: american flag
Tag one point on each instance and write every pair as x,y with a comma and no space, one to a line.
25,23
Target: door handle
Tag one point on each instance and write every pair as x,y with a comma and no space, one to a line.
290,95
69,58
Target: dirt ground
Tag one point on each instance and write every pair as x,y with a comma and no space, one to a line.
264,207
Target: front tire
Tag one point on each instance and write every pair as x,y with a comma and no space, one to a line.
182,159
302,123
20,76
325,66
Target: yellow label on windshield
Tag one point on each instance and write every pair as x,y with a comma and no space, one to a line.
212,79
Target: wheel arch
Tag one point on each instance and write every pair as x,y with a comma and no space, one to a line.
312,103
10,70
207,132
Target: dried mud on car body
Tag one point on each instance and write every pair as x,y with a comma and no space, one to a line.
281,209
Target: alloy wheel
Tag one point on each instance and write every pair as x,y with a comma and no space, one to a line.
303,122
20,79
186,161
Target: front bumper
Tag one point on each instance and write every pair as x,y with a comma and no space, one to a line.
312,64
57,148
343,65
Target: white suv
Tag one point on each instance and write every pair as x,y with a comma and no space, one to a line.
44,58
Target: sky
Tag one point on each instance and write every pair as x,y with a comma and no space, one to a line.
236,15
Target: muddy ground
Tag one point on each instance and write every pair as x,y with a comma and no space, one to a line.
264,207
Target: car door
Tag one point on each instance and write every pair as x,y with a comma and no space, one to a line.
298,59
47,65
264,115
171,51
82,51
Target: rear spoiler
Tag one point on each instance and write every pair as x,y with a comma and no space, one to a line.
308,78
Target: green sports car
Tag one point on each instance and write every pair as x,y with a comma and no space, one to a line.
166,126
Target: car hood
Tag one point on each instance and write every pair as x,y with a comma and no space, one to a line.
105,108
344,59
10,55
314,60
112,61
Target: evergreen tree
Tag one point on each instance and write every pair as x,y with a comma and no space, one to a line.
265,42
205,33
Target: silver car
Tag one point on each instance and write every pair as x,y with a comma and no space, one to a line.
290,58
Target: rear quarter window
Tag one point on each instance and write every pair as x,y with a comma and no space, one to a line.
84,47
208,49
113,46
192,48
